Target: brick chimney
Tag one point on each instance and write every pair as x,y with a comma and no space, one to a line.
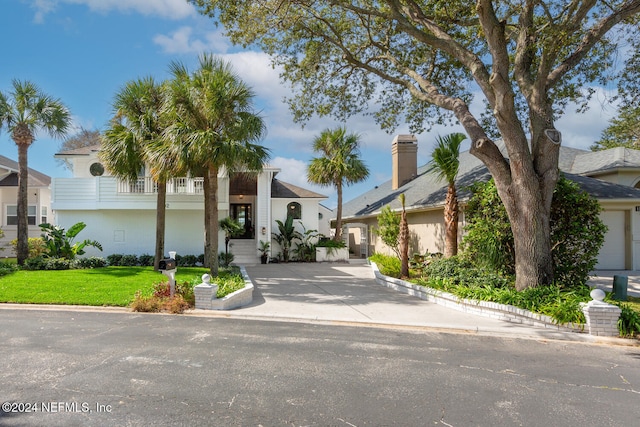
404,157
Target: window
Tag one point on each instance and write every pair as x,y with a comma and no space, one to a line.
43,214
96,169
12,215
295,210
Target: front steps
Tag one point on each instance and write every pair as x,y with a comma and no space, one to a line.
245,251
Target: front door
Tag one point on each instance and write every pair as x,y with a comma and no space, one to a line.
243,214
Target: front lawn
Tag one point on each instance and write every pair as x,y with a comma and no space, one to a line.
107,286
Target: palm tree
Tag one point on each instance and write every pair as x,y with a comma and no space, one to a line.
214,129
339,165
127,146
23,112
445,163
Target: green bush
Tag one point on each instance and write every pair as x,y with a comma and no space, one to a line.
114,259
7,268
91,262
129,260
146,260
388,265
42,263
225,259
37,246
577,232
629,321
187,261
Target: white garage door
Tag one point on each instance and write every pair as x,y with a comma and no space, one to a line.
612,254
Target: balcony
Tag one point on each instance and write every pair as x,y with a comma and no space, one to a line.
146,185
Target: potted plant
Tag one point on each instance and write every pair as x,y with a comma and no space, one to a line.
264,251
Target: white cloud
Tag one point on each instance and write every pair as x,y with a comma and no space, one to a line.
171,9
181,41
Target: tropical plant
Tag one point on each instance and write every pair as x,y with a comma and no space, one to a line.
305,250
339,165
25,111
388,228
445,164
231,228
213,128
60,242
422,63
264,248
127,146
286,235
36,245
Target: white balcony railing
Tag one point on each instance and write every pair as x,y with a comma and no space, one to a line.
146,185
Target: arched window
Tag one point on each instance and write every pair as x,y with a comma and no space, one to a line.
295,210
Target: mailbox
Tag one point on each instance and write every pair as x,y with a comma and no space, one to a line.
167,264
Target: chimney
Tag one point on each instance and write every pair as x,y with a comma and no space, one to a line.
404,157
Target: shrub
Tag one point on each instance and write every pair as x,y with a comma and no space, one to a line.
146,260
42,263
37,246
389,229
7,268
577,232
187,261
225,259
388,265
91,262
629,321
114,259
129,261
59,242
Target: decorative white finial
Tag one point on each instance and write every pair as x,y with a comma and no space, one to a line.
597,295
206,279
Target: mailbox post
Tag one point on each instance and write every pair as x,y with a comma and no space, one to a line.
167,266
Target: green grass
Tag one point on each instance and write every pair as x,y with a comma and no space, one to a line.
108,286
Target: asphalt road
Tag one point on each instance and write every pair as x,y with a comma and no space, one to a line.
103,369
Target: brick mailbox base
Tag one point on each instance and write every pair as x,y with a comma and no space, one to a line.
602,318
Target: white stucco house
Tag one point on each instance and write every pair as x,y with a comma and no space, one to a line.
122,215
39,205
611,176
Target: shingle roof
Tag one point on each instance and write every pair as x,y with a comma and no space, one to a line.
36,178
82,151
426,191
284,190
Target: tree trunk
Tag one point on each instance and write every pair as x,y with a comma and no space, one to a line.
207,215
213,220
338,235
403,240
161,210
22,248
451,222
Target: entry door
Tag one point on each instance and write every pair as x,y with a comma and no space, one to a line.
242,214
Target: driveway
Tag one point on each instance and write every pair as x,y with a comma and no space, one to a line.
348,293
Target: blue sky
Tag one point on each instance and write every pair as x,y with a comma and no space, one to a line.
83,51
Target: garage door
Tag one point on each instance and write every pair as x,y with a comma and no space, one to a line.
612,254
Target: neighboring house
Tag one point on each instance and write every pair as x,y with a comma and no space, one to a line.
612,176
122,215
39,209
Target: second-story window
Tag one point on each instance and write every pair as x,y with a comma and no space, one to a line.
295,210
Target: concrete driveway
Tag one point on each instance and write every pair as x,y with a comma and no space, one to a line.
348,293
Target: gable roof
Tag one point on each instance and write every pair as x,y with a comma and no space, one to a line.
36,178
284,190
82,151
426,191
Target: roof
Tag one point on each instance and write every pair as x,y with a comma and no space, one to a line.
82,151
427,191
595,162
36,179
284,190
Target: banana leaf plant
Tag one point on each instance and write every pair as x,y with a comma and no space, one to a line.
60,244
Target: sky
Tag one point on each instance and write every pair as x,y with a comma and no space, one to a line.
84,51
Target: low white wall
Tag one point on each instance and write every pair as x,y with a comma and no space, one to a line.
507,313
332,254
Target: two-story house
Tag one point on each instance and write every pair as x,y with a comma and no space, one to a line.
122,215
39,206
